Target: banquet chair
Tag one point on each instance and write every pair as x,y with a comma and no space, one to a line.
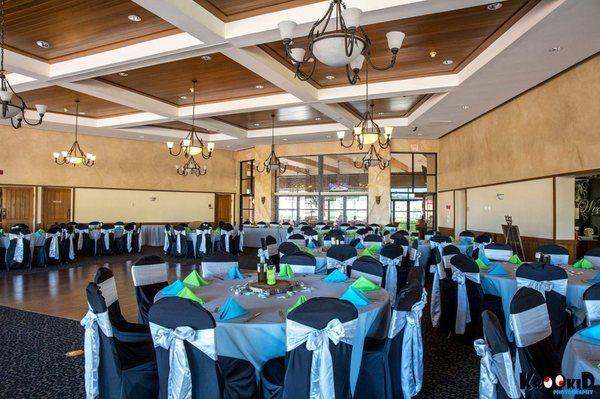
106,243
52,246
301,262
297,239
271,251
184,335
558,254
83,244
95,235
360,225
467,233
344,226
18,253
179,245
126,240
312,238
447,253
392,368
375,227
218,263
391,228
319,225
416,273
204,243
168,242
333,236
440,239
247,223
289,232
326,228
536,357
591,303
287,248
498,252
355,242
225,241
391,257
124,359
119,243
304,227
496,372
370,268
340,257
262,224
430,233
479,244
274,224
593,255
150,275
373,239
551,282
291,377
137,238
67,245
399,238
361,233
469,302
404,233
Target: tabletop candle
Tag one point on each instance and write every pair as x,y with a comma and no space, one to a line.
271,275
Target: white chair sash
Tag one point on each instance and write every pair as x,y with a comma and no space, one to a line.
481,246
322,385
180,379
300,243
106,238
415,255
303,269
438,273
128,240
502,255
463,313
495,369
19,247
80,234
412,345
91,321
54,248
227,235
592,310
391,274
263,255
428,237
558,286
167,240
178,238
241,246
341,265
108,289
531,326
149,274
71,237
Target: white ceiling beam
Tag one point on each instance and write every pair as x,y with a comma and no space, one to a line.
242,105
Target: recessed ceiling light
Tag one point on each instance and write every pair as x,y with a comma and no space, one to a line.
183,97
494,6
555,49
419,134
206,58
328,137
432,53
65,109
123,74
259,87
447,62
134,18
228,146
465,107
381,113
142,137
284,139
43,44
256,124
318,118
82,113
329,77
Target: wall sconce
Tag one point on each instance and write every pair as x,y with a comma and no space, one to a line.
152,199
378,199
262,200
500,196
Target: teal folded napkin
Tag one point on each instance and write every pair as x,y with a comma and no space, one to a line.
466,240
311,244
484,259
336,276
592,332
497,270
231,309
356,297
595,279
173,289
39,233
235,273
360,245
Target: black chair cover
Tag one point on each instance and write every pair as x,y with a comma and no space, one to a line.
592,294
83,248
373,269
440,239
11,262
370,238
204,230
341,252
51,261
179,250
287,248
466,233
149,284
102,248
399,238
299,258
167,248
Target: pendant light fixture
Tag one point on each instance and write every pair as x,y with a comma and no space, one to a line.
191,167
336,40
13,105
75,155
192,144
272,162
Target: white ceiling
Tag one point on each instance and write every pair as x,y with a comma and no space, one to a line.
518,60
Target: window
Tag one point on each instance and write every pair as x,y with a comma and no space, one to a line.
246,191
325,187
413,188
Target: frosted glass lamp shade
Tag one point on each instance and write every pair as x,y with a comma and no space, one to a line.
330,49
358,62
287,29
41,109
395,39
351,17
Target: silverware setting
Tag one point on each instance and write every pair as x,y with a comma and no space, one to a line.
254,316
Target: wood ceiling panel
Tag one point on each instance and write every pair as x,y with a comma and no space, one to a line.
219,79
457,35
231,10
284,117
389,107
58,98
78,27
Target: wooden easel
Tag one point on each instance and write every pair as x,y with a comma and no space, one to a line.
512,237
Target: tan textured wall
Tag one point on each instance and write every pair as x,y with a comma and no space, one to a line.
26,158
550,130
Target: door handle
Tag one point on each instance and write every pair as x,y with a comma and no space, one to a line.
68,214
2,213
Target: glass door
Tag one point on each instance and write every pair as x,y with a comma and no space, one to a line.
407,213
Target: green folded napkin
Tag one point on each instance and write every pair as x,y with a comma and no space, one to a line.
308,251
286,271
364,284
451,239
583,264
299,302
481,264
189,294
188,230
367,252
194,279
515,260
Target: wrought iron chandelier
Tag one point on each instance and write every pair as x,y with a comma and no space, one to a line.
191,167
75,155
368,133
13,110
192,144
345,44
272,162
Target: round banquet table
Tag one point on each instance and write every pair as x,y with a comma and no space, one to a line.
506,286
263,337
581,354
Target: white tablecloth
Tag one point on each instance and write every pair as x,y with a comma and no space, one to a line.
252,235
581,354
506,286
263,338
153,235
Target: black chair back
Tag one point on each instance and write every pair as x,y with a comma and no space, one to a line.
149,277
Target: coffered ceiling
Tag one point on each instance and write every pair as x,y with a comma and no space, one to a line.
134,77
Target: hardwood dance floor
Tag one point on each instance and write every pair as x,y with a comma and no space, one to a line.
61,292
